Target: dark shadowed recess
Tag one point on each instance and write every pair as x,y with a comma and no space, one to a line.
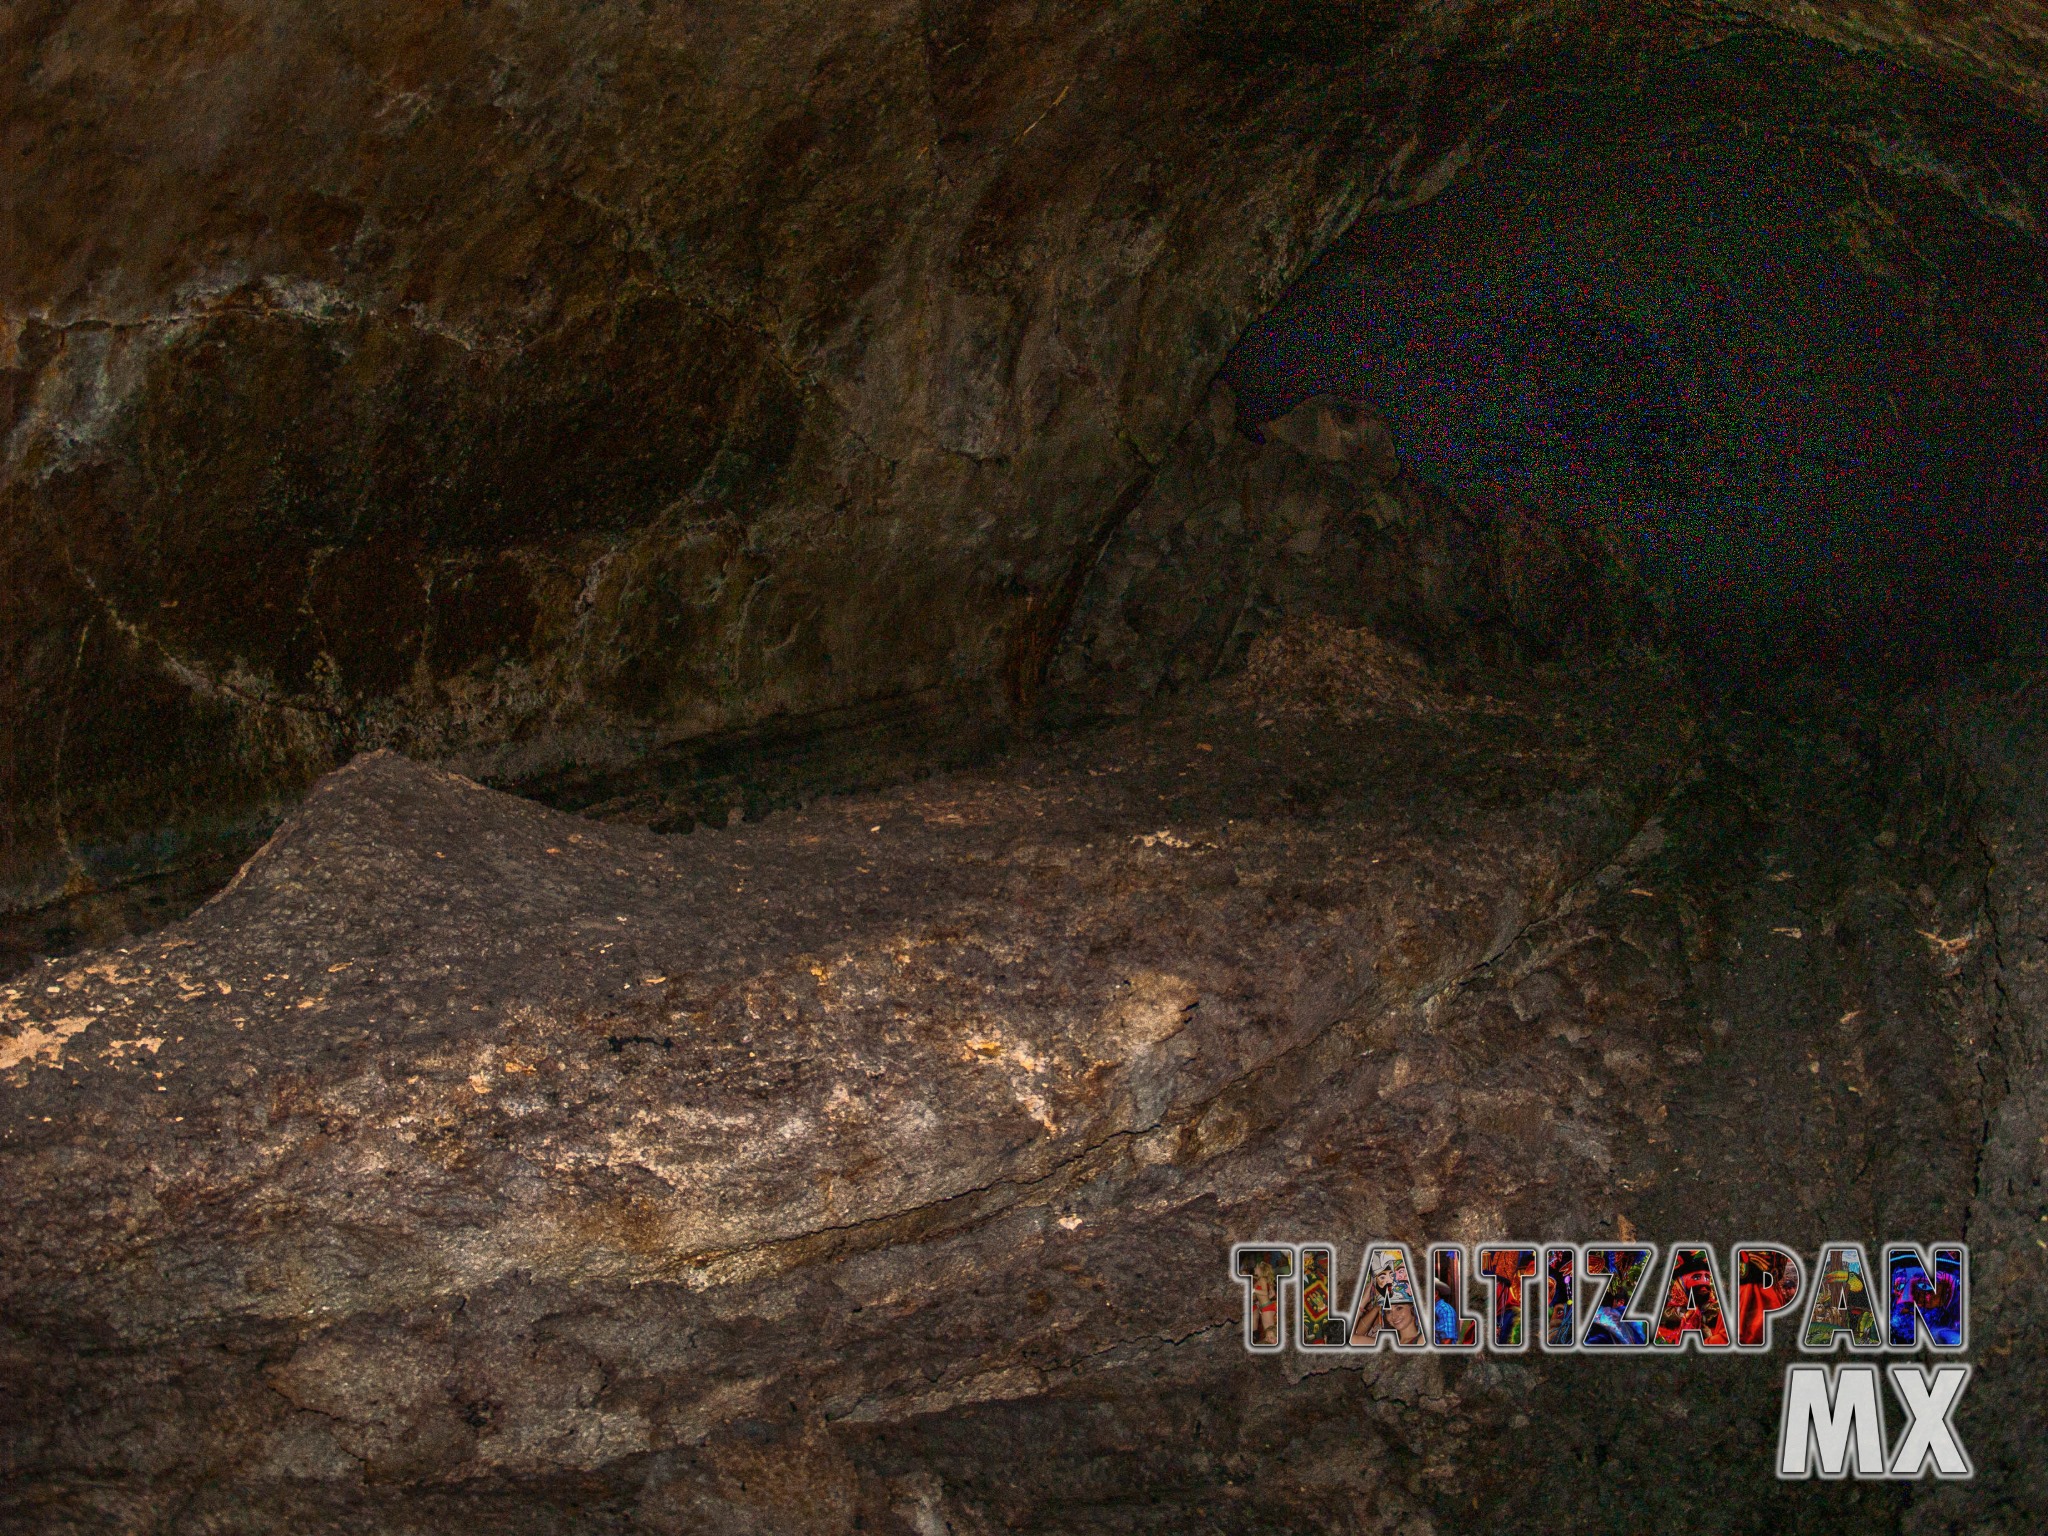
1767,314
718,780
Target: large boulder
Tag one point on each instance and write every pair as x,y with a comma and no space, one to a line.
463,1147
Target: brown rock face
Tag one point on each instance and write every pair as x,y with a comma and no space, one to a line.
461,1145
534,389
688,413
873,1168
2004,44
522,388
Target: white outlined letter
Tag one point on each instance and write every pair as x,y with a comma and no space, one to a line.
1263,1269
1927,1296
1619,1274
1386,1305
1451,1327
1508,1271
1831,1411
1318,1324
1768,1280
1692,1313
1930,1399
1840,1304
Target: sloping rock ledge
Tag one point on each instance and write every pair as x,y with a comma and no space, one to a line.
467,1148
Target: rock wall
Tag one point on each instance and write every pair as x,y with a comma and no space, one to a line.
537,389
1313,514
1766,314
589,397
527,388
467,1165
1996,737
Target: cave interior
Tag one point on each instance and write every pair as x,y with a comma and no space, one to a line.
723,734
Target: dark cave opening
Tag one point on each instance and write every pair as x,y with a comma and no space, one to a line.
1763,321
1765,317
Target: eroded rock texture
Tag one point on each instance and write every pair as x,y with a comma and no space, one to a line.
529,388
1767,314
538,390
470,1166
684,415
462,1148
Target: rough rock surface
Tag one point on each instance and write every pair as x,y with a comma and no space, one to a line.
1767,315
463,1150
1319,520
1997,732
528,387
610,400
534,388
468,1166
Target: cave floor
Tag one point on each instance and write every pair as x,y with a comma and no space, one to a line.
451,1205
